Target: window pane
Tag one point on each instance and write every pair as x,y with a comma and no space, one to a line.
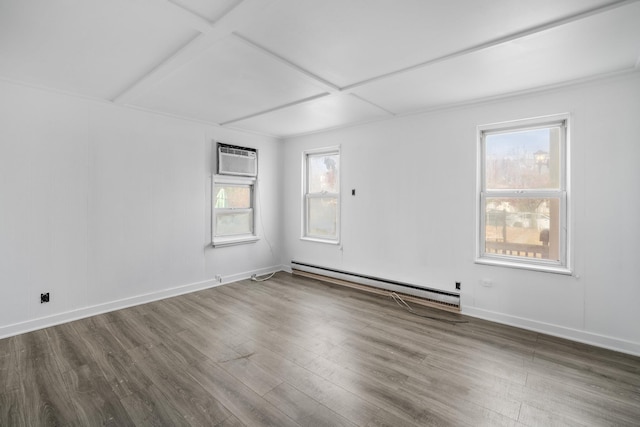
322,217
233,223
528,159
323,173
523,227
233,196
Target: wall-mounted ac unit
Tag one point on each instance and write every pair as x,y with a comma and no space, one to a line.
234,160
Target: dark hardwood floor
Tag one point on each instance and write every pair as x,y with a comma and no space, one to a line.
294,351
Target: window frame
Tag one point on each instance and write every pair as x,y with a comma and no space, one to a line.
307,196
236,239
562,193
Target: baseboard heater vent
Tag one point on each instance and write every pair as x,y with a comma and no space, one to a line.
449,301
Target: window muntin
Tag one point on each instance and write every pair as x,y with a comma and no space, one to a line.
523,195
233,210
321,216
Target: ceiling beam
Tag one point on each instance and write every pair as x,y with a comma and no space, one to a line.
210,33
311,77
373,104
187,16
279,107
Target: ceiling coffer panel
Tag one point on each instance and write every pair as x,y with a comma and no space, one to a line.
91,47
229,80
598,45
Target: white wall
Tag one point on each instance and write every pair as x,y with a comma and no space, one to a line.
105,207
413,218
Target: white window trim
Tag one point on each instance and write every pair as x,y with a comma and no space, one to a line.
564,266
303,220
221,241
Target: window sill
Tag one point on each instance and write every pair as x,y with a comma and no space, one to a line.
220,242
317,240
557,269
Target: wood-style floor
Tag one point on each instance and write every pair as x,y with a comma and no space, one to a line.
295,351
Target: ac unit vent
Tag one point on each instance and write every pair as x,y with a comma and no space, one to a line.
234,160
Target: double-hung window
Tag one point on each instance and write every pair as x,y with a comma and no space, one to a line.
321,193
233,219
523,216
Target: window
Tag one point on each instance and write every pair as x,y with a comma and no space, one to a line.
321,206
233,210
523,181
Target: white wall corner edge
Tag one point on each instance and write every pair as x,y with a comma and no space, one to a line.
611,343
81,313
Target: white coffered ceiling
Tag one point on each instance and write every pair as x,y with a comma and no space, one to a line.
288,67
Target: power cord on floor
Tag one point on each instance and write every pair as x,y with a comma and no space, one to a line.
262,279
402,303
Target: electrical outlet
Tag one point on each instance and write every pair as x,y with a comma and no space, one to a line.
44,298
458,284
487,283
219,278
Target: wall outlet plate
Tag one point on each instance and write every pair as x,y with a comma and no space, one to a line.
44,298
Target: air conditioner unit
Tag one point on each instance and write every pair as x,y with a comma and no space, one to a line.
233,160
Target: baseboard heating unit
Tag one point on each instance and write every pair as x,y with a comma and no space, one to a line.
449,301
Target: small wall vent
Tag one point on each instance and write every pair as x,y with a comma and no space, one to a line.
234,160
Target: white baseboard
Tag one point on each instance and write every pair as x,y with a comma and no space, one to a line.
287,268
259,272
604,341
81,313
585,337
